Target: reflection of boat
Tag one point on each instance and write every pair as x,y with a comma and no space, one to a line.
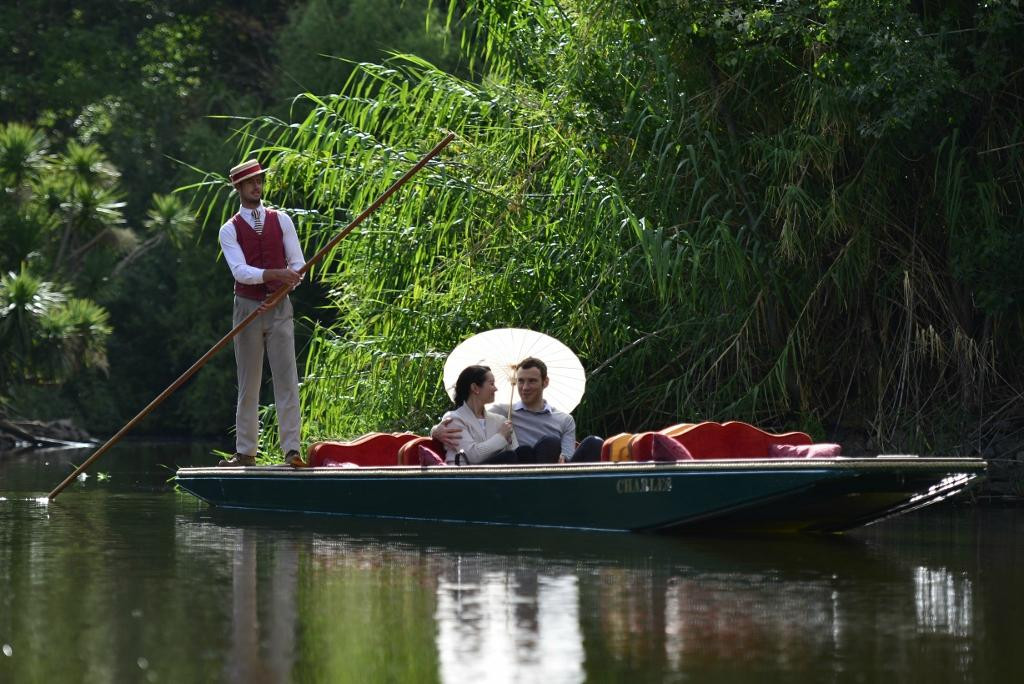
824,495
624,607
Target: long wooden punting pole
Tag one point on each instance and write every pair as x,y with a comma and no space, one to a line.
274,299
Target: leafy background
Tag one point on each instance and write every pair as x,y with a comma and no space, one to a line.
804,215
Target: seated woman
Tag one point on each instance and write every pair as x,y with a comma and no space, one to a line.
486,437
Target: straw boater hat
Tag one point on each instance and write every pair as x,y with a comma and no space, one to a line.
246,169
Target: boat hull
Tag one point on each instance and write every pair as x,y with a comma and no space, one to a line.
800,495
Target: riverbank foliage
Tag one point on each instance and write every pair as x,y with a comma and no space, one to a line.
796,214
800,214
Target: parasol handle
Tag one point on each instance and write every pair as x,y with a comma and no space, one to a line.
512,390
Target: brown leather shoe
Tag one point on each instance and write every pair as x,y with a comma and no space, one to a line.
238,461
293,459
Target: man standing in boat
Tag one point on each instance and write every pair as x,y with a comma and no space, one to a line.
262,250
550,432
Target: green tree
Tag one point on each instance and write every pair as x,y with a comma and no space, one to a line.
323,40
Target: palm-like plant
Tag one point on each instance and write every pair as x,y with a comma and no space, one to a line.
56,215
25,231
93,218
45,335
168,220
87,165
74,337
25,301
23,155
23,223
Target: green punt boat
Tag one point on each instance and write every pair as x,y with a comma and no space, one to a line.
801,495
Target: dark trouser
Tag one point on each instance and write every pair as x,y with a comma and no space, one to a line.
588,451
548,450
542,452
503,457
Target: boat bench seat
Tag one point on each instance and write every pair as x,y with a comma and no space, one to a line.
373,449
410,453
707,440
734,439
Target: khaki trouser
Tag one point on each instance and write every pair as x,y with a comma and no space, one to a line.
274,332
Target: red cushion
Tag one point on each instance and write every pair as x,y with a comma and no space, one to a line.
429,457
639,446
733,439
409,453
664,448
616,448
804,450
374,449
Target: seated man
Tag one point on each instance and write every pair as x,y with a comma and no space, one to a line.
550,432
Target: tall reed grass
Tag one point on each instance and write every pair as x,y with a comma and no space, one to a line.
719,221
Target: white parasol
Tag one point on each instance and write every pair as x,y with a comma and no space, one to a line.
502,350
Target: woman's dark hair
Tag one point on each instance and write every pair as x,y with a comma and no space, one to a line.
471,375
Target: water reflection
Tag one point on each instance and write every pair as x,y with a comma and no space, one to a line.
944,601
508,626
262,601
723,619
275,630
460,604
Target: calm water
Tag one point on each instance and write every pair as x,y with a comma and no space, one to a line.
121,579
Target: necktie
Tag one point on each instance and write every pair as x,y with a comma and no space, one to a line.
257,222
